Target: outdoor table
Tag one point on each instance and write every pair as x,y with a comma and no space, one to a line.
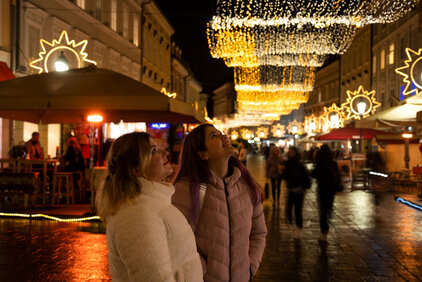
27,166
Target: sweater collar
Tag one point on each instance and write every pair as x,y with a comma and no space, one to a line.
229,180
160,190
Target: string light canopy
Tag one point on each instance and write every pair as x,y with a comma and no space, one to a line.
278,130
262,132
57,50
360,104
261,98
333,117
411,72
273,78
305,60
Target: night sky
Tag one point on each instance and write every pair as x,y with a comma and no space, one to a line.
190,18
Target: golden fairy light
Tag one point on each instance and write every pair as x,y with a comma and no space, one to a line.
295,127
246,133
312,124
360,103
411,72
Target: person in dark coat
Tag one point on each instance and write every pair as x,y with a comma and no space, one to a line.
297,181
328,177
73,159
274,167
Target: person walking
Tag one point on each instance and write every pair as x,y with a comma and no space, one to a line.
223,204
274,168
328,177
297,181
148,239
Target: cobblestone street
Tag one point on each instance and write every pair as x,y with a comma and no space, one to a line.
373,238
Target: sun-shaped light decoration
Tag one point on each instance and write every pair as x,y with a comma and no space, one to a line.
262,132
278,130
333,116
295,127
234,135
312,124
412,72
360,98
63,44
246,134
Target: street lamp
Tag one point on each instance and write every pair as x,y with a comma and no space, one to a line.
61,64
361,110
407,134
294,131
92,119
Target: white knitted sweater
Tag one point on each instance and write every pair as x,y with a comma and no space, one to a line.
150,240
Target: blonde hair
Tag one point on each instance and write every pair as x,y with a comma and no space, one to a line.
128,152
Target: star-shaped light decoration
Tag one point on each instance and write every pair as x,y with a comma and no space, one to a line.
63,44
357,99
278,130
234,135
262,132
411,71
333,116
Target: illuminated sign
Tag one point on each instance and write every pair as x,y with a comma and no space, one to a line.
159,125
50,52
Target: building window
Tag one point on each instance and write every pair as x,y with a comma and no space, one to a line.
374,64
125,21
81,3
382,59
391,54
98,9
136,31
34,41
114,15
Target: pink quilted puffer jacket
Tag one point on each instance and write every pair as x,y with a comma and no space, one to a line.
230,233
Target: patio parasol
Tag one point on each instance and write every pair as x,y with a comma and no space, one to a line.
348,133
69,97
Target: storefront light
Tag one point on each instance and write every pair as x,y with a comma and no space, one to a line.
95,118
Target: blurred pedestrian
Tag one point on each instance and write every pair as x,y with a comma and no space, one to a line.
297,181
274,169
223,204
33,147
17,151
328,177
243,153
148,239
73,158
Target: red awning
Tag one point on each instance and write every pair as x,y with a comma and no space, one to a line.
347,133
5,72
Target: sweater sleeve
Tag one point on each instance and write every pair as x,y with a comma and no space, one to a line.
257,238
143,248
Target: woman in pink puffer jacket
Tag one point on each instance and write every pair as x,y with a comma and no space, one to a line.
222,203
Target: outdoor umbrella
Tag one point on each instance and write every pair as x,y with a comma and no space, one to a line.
70,96
398,116
347,133
5,72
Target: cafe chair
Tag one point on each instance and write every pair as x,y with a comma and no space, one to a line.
62,180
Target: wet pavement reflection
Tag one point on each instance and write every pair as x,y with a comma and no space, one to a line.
41,250
373,238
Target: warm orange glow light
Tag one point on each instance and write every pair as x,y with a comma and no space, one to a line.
95,118
407,135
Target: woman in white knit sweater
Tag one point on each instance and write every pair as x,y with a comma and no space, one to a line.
148,239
